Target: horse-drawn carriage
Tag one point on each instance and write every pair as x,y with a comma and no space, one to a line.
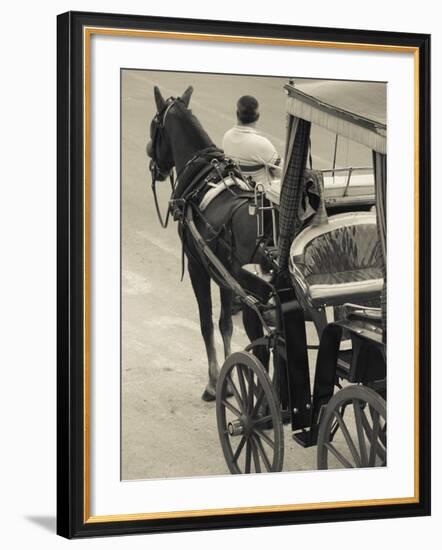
311,266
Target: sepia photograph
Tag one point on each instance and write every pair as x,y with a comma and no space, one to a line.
253,274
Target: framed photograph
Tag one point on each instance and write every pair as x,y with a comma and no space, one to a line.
243,278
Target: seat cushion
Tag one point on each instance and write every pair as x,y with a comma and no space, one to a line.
338,261
349,284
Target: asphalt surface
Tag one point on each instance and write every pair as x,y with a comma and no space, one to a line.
167,430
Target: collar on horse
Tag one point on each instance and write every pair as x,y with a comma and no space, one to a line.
206,156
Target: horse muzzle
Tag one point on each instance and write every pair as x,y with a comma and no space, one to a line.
158,173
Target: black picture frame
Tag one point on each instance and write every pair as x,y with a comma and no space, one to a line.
72,516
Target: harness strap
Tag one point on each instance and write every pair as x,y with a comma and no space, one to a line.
183,259
208,152
223,235
230,281
190,192
197,183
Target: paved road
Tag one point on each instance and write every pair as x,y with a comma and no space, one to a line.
167,430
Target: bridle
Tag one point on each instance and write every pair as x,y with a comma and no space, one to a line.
157,172
157,131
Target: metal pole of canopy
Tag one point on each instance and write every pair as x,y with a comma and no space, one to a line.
380,179
334,156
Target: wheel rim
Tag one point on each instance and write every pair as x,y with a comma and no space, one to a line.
381,448
248,417
352,434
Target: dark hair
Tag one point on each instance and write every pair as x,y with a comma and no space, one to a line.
247,109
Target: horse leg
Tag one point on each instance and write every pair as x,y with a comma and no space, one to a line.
225,319
201,286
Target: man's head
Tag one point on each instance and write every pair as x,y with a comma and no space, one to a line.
247,109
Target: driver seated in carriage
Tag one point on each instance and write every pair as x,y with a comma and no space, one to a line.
255,154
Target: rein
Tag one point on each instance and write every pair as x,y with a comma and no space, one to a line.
164,222
160,119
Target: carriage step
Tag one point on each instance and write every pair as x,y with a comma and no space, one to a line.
306,438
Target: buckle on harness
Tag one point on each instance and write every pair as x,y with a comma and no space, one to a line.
177,207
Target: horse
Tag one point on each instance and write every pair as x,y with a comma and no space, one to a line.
178,140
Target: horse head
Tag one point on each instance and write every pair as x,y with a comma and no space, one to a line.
159,147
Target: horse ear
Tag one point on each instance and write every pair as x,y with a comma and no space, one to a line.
159,99
185,98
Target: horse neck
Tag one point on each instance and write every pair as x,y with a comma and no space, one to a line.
187,137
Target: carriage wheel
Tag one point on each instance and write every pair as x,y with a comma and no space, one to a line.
248,416
368,427
346,413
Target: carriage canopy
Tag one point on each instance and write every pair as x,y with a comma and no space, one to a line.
355,110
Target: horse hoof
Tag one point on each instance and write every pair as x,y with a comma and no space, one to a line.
208,396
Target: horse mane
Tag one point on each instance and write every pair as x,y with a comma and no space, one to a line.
196,136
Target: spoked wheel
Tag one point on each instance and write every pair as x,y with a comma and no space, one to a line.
381,448
248,417
352,433
382,391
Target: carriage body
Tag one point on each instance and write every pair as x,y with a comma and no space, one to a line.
329,269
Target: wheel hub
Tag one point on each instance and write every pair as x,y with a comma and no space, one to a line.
235,427
241,426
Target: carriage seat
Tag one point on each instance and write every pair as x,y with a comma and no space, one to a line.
338,261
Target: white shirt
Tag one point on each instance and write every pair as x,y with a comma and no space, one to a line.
248,147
